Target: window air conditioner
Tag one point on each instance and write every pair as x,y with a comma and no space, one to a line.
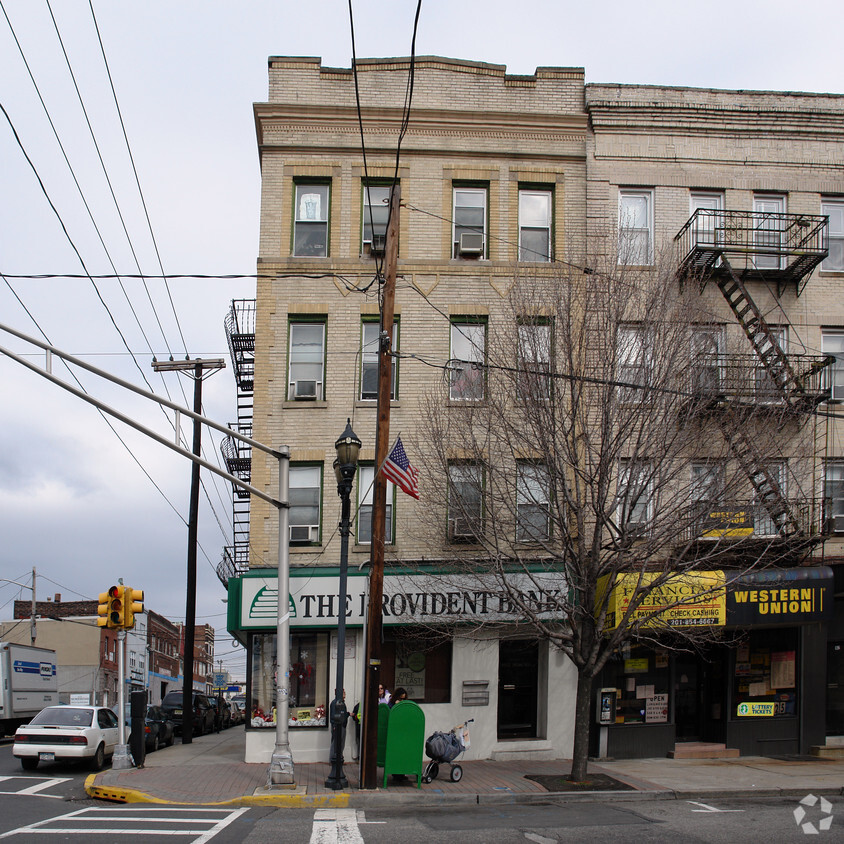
461,529
471,243
838,523
378,244
304,533
306,389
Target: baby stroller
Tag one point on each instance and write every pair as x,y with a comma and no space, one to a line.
444,748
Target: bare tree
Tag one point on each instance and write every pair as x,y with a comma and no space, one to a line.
595,429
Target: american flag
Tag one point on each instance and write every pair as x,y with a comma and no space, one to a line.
398,469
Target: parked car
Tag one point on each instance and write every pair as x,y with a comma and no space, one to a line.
159,729
67,733
238,712
203,712
221,711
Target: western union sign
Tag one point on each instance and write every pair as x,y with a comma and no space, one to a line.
691,599
780,596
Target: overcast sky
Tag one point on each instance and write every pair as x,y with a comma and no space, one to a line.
73,501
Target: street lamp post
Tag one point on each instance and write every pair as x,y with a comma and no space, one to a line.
345,466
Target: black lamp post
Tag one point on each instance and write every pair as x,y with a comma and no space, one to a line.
345,466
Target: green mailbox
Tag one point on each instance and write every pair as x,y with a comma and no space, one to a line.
405,741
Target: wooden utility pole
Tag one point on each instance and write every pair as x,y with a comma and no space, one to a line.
369,750
198,366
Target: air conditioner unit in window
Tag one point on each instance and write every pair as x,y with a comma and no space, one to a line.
460,529
304,533
306,389
471,243
838,524
378,244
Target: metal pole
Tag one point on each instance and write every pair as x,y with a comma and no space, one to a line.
32,628
339,713
281,766
121,759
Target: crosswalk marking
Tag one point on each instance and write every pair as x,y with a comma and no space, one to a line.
336,826
41,783
202,824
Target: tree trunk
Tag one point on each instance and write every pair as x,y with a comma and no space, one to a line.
582,715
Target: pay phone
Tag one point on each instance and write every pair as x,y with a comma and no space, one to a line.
605,710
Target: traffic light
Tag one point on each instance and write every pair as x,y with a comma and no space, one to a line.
132,603
102,610
115,606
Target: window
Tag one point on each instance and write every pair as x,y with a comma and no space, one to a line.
469,230
366,489
305,497
369,360
307,360
634,361
766,387
834,495
706,360
535,225
309,689
834,209
468,355
832,343
764,523
310,228
465,502
634,496
424,671
635,227
710,219
376,210
706,492
532,503
768,228
534,349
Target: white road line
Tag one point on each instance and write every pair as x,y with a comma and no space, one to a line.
40,784
710,809
336,826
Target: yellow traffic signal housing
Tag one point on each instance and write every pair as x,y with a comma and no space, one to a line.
132,604
102,610
116,616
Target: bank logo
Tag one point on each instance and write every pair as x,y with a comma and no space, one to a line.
265,605
821,810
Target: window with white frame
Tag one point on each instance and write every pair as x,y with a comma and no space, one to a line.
465,501
534,354
310,226
834,209
709,222
706,362
634,496
634,361
468,355
306,358
533,510
535,225
766,387
764,523
376,210
705,493
469,227
832,343
366,487
834,496
370,332
635,227
305,496
769,231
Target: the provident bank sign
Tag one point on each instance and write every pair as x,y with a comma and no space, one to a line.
408,598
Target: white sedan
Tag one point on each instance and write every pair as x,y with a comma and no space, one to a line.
66,733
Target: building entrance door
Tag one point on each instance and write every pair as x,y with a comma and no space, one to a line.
518,670
699,705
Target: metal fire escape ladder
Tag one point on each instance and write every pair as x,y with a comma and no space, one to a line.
769,493
763,340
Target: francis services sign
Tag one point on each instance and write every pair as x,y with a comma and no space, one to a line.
408,598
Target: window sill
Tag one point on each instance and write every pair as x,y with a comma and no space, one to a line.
303,404
305,548
465,402
373,404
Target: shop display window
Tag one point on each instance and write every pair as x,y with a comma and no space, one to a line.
309,693
641,678
423,670
766,671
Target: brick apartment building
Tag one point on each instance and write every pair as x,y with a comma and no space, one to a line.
504,178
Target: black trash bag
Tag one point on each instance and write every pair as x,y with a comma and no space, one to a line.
443,747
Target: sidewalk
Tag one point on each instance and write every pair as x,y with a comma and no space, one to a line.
211,771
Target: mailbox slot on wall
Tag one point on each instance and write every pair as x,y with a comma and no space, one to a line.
476,693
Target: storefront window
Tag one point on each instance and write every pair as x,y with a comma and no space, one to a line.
641,678
424,671
766,671
308,680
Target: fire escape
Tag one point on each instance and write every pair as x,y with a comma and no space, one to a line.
240,332
734,249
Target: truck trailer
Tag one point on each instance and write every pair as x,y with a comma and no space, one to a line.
28,683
